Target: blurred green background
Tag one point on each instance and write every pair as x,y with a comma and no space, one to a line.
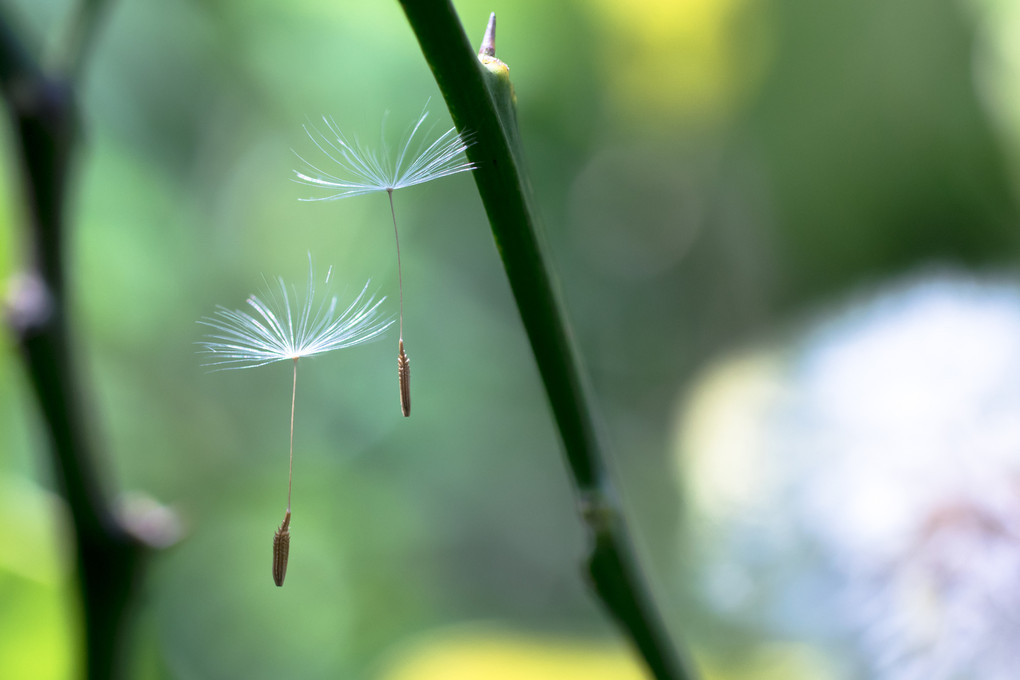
709,172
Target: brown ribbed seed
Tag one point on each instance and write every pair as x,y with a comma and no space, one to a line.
281,550
404,374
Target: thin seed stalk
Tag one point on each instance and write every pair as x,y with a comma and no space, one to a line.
290,470
281,540
403,363
400,276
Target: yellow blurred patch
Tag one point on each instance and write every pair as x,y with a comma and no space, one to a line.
718,430
491,654
772,661
30,535
688,59
472,654
37,623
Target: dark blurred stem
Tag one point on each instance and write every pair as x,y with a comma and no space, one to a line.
486,113
44,125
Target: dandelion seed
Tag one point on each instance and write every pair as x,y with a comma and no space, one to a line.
404,380
281,550
360,170
278,331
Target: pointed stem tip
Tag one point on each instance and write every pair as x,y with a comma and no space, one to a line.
488,47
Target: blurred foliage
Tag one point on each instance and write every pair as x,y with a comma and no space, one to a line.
37,626
708,171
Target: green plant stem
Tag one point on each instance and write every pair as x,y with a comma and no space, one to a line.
482,106
108,557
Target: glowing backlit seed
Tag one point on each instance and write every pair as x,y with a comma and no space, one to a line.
353,170
287,325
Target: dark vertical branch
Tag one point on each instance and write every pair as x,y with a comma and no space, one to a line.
478,93
43,117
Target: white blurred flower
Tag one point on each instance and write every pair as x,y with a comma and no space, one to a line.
864,488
